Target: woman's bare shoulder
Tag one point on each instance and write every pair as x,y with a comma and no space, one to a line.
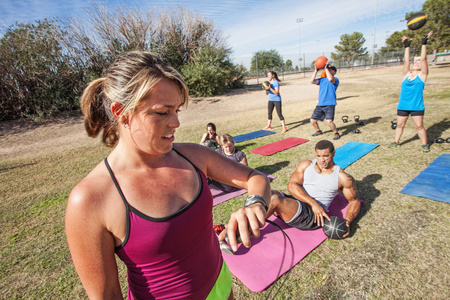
93,188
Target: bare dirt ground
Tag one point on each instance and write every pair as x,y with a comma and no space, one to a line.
22,137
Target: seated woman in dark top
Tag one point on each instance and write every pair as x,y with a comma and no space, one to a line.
228,150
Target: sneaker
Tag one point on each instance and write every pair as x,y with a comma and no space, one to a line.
284,130
425,148
267,127
394,145
336,136
317,133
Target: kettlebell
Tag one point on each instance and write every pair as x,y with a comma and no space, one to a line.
345,119
360,123
394,123
356,118
357,131
440,140
448,140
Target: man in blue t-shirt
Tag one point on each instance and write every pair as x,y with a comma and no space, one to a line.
327,100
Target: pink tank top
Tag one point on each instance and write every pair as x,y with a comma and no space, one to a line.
176,257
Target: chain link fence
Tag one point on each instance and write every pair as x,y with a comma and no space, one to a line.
304,63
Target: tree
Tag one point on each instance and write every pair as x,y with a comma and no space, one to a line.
288,65
438,12
394,46
210,72
38,78
175,35
266,60
350,47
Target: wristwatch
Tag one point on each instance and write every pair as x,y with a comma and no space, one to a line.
255,199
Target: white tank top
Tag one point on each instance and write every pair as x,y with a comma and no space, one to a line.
322,188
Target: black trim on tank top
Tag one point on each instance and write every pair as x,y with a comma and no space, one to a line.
144,216
127,206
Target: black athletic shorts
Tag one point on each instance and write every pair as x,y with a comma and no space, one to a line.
413,113
323,112
305,219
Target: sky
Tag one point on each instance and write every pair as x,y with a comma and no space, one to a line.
255,25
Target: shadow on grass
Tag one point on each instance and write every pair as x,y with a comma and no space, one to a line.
5,169
343,98
368,193
296,124
433,132
271,169
350,128
243,146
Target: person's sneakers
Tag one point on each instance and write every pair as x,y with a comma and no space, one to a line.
284,130
267,127
317,133
336,136
394,145
425,148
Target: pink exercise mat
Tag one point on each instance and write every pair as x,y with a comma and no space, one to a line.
272,255
219,196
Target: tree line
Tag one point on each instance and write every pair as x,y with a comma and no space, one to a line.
351,46
44,66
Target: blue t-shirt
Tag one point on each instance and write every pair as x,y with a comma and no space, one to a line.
411,94
327,91
272,96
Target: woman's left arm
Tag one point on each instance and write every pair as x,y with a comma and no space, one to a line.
423,57
247,220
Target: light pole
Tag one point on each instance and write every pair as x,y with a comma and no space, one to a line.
374,31
299,20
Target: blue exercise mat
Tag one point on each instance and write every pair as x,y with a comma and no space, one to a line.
433,182
351,152
251,135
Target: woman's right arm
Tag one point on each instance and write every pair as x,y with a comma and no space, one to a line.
406,62
205,135
91,245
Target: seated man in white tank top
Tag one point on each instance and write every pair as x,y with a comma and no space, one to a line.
313,186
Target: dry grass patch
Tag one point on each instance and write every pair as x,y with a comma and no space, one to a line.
398,245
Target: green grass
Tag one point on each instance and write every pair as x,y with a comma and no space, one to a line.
398,247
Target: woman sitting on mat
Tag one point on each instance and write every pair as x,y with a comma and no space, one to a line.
210,138
228,150
273,90
148,202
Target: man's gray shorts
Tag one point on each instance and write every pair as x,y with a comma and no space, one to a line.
323,112
305,219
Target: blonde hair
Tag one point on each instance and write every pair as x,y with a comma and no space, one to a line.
226,139
127,81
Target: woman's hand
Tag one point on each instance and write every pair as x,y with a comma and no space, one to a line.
244,223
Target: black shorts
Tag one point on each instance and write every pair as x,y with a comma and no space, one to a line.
305,219
413,113
323,112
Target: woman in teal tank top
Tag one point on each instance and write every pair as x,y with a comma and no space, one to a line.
411,94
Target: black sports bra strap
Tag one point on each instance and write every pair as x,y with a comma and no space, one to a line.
115,182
